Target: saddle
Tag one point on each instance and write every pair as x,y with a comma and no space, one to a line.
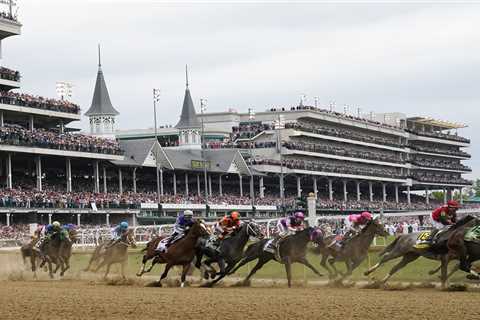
272,246
425,239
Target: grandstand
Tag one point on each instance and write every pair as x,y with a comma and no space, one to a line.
255,163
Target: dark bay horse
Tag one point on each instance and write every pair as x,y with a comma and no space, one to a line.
150,254
230,251
105,255
181,252
404,246
353,252
292,249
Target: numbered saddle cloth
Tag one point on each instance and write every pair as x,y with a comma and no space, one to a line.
270,246
162,245
473,234
424,240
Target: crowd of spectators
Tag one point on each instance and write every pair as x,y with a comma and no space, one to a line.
438,134
9,74
249,130
334,166
438,177
41,138
38,102
336,114
439,163
454,151
8,16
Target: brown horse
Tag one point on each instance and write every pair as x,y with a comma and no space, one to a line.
105,255
150,254
182,252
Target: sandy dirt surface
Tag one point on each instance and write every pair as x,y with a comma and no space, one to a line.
70,299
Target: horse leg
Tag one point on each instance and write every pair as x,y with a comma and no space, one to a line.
142,267
154,262
433,271
164,274
323,263
67,265
261,261
107,271
306,263
104,262
444,266
243,262
288,269
407,258
186,267
331,261
122,269
387,257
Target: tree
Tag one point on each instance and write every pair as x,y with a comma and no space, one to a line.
476,187
437,195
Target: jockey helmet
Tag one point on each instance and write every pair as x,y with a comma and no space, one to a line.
453,204
56,224
299,215
188,213
123,225
235,215
367,216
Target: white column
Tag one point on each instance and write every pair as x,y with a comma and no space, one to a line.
210,185
408,195
330,189
49,218
105,188
9,171
161,181
345,193
299,187
452,191
107,219
78,219
134,179
8,219
174,183
427,199
96,177
38,163
384,192
186,184
370,190
120,181
1,119
261,188
69,174
252,189
359,194
241,185
444,196
198,185
282,188
315,189
62,127
396,193
31,123
220,190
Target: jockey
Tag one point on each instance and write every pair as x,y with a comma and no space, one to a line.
288,226
291,224
355,223
182,224
227,225
47,233
443,217
118,232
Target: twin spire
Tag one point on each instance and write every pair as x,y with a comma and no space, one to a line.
188,117
101,104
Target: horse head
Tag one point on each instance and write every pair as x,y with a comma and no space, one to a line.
376,227
254,230
129,238
316,236
199,229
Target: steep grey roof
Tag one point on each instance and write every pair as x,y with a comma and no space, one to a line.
220,160
188,118
101,104
136,151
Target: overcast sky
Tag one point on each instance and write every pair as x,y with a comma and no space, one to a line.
418,59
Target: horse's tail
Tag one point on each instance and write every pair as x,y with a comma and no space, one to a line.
389,247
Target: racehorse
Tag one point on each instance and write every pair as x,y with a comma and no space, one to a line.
149,254
106,254
56,250
230,251
353,251
405,246
292,249
181,252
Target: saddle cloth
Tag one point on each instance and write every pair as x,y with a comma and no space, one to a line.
269,247
162,245
424,240
473,234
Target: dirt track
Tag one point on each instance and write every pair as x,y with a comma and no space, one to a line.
67,299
